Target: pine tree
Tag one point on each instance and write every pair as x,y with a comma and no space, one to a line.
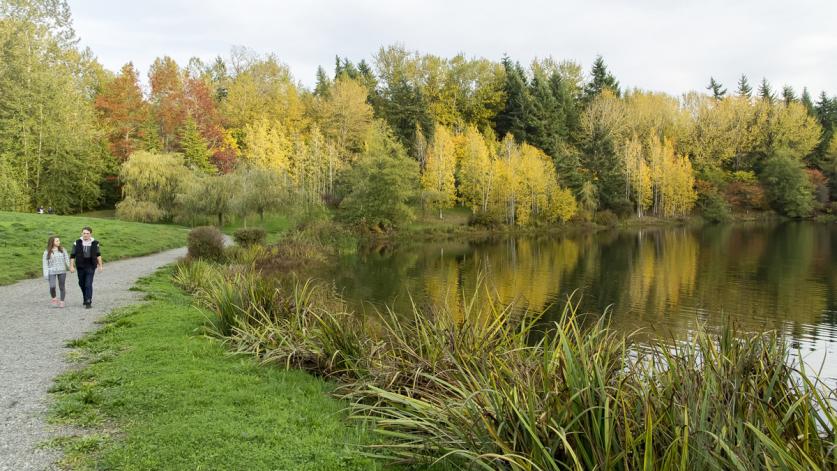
807,101
744,88
788,95
517,113
765,92
601,79
195,151
717,89
323,85
547,127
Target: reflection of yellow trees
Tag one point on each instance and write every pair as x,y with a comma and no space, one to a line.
532,273
528,272
442,287
664,269
756,276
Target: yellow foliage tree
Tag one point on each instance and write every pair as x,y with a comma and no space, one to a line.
638,174
267,146
673,180
438,179
476,172
346,117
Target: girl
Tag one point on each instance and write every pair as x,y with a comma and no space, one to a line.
56,262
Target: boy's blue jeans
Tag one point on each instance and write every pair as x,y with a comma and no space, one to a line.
85,282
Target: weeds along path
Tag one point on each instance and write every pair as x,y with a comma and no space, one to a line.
33,335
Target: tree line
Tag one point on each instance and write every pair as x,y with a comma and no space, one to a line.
517,145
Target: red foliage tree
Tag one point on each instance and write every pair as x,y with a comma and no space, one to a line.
122,112
168,100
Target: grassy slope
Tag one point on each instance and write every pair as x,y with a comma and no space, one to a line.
179,401
23,238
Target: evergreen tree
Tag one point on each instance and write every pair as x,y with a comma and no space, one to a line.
404,108
219,78
367,78
193,146
517,113
547,127
807,101
716,88
788,95
323,85
825,111
765,92
744,88
345,67
601,79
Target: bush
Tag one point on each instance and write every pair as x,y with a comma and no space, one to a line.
746,196
606,218
248,237
486,220
713,207
206,242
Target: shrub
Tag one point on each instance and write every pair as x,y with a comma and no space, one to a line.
713,207
206,242
486,220
246,237
746,196
820,183
606,218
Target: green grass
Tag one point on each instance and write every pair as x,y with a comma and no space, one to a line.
99,213
489,387
23,238
274,224
158,395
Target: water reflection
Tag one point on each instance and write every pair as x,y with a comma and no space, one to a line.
663,280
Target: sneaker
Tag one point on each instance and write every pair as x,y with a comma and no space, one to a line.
61,304
54,302
88,306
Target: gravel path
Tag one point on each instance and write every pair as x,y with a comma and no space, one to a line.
33,335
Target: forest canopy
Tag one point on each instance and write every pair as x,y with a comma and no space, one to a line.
518,144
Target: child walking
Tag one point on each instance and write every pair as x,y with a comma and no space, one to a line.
56,262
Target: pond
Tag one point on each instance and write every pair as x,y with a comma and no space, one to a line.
665,281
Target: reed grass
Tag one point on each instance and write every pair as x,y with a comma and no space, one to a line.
503,389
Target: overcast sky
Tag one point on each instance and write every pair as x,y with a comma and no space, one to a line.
665,45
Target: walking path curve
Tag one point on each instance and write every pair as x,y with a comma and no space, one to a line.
33,335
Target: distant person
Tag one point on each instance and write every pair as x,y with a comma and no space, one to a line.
50,210
86,258
56,262
40,210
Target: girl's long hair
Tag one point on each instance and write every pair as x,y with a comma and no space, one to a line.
51,244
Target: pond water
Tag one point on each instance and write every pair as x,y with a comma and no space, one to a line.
666,281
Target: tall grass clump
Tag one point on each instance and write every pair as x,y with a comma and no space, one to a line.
485,386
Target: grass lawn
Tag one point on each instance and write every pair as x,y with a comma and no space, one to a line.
274,224
156,394
23,238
